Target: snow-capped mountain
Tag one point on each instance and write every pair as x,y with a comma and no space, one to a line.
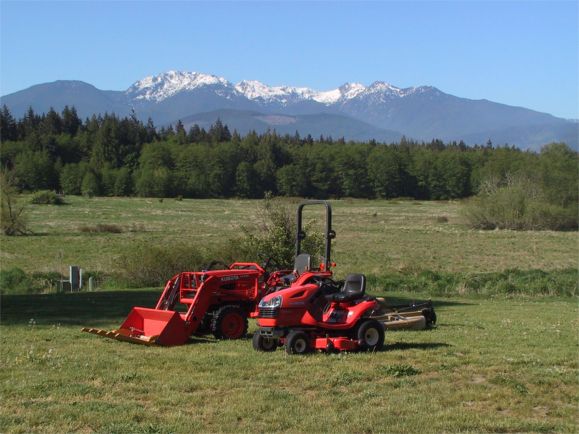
163,86
353,110
160,87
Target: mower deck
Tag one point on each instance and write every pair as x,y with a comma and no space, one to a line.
413,316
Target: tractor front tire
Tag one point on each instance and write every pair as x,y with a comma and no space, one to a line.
263,343
370,335
297,343
205,324
229,322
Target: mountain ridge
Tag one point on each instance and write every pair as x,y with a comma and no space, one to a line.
419,112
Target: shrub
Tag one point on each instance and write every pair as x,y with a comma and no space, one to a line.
520,204
16,281
102,228
47,280
12,215
275,235
47,197
152,265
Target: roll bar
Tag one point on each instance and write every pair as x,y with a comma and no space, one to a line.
329,234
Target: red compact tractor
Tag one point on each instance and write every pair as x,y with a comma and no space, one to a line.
314,312
216,301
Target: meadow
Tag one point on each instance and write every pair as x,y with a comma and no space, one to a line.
373,237
496,363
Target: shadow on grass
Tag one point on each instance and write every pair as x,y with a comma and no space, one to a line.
393,301
414,346
84,308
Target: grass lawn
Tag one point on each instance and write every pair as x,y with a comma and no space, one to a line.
491,365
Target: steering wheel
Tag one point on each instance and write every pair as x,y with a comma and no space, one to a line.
214,263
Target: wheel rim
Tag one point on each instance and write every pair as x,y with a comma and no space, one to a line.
232,325
371,337
300,345
267,343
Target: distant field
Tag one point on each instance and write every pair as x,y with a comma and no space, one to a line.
492,365
372,236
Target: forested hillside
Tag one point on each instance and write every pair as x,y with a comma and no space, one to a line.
108,155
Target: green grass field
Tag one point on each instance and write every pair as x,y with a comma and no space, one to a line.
490,366
493,364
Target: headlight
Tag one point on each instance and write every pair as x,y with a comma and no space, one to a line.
272,302
276,301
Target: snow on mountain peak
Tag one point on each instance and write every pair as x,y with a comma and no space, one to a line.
162,86
255,90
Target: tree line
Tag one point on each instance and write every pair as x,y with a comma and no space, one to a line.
107,155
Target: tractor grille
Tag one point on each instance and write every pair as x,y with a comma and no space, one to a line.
268,312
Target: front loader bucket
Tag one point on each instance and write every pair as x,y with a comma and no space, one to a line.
149,326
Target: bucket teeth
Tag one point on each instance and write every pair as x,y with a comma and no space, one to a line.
122,335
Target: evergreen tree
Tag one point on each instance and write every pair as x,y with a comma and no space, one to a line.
245,180
34,170
123,183
91,185
180,133
8,129
71,123
71,178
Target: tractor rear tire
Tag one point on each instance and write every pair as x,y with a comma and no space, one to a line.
297,343
229,322
370,335
263,343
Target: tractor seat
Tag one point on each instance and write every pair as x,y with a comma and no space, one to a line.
353,289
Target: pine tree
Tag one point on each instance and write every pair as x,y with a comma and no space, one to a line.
8,129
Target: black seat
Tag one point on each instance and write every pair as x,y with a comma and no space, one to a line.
353,289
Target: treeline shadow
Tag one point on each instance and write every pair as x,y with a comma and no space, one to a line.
82,308
394,301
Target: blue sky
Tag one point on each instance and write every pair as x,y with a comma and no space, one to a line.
522,53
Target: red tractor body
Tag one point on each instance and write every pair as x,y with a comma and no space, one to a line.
216,301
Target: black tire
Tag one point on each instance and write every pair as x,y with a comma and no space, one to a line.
430,317
263,343
370,335
297,343
205,324
229,322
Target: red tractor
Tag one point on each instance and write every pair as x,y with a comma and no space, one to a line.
314,312
216,301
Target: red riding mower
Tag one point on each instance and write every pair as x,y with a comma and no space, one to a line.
314,312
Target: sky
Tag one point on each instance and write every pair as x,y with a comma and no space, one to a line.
521,53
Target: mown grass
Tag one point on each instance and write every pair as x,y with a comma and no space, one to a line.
491,365
373,237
